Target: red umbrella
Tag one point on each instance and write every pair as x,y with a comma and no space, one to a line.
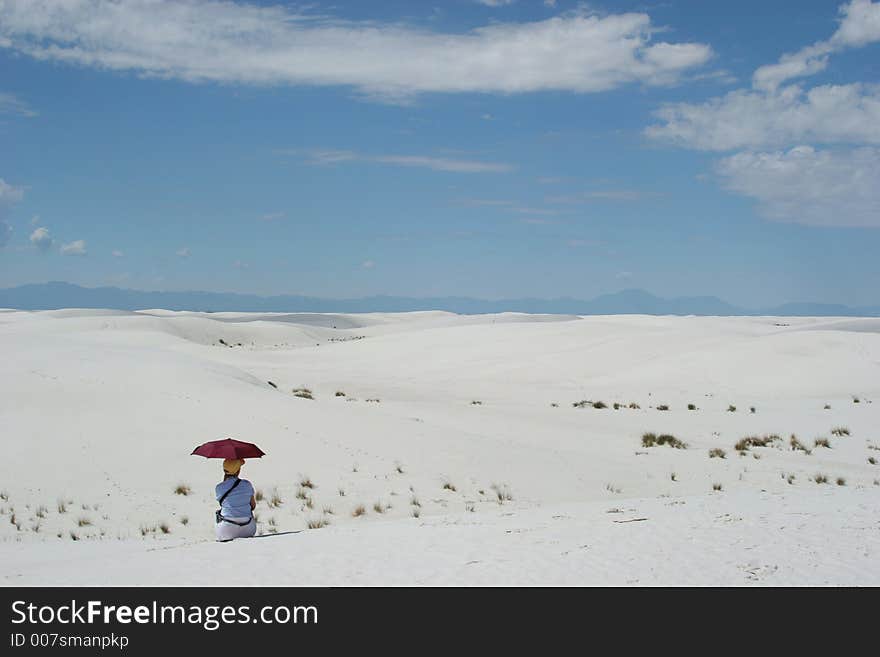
228,448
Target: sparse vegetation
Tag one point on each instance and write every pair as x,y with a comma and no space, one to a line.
755,441
840,431
820,479
41,512
4,495
373,401
272,384
673,476
303,393
184,521
872,460
731,409
841,481
476,402
502,492
416,512
399,468
650,440
414,501
378,507
317,523
448,485
692,407
856,400
822,442
611,488
164,528
73,536
798,445
327,511
751,409
790,479
663,407
258,495
275,500
716,487
554,405
306,482
182,489
633,405
83,522
341,491
62,506
583,403
339,393
717,453
827,407
358,511
600,404
302,494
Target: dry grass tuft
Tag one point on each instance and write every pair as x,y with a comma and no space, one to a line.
756,441
182,489
820,479
717,453
692,407
663,407
502,492
378,507
306,482
317,523
83,522
841,481
731,409
651,439
358,511
798,445
339,393
303,393
840,431
716,487
448,485
822,442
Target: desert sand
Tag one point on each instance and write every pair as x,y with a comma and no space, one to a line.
461,438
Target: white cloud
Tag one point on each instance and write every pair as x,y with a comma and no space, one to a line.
859,26
183,253
11,104
847,113
272,216
599,195
368,264
117,254
235,42
809,186
328,157
41,239
9,194
239,264
495,3
75,248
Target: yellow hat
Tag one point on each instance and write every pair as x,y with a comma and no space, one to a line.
232,466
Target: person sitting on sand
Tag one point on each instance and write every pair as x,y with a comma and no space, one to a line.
235,519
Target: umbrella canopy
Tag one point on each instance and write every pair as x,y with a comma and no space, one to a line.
228,448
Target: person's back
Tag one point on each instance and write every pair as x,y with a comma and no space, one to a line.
236,496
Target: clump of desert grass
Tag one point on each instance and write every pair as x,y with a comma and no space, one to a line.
692,407
716,487
611,488
83,522
302,493
820,479
673,476
448,485
4,495
306,482
327,510
476,402
62,506
841,481
856,400
374,400
379,507
717,453
751,409
872,460
275,499
827,407
731,409
182,489
797,445
840,431
164,528
652,439
73,536
502,493
184,521
303,393
554,405
822,442
416,512
414,501
634,406
317,523
398,467
258,495
599,404
339,393
755,441
663,407
341,491
41,512
358,511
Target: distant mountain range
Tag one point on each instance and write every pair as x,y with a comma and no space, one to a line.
55,295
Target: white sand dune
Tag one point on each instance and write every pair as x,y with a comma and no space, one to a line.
101,409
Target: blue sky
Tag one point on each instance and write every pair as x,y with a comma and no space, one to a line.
484,149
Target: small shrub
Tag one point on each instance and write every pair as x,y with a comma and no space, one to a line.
717,453
820,479
790,479
448,485
83,522
476,402
663,407
4,495
358,511
840,431
303,393
184,521
634,406
673,476
341,492
502,492
583,403
650,440
841,481
309,503
611,488
872,460
414,501
182,489
600,404
73,536
275,501
755,441
554,405
164,528
731,409
692,407
302,494
378,507
716,487
751,409
821,442
306,482
41,511
416,512
327,511
827,407
62,506
339,393
258,495
798,445
317,523
398,467
856,400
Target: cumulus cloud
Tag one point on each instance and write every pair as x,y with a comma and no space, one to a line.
9,194
117,254
75,248
183,253
847,113
859,26
11,104
41,239
809,186
238,42
329,157
495,3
